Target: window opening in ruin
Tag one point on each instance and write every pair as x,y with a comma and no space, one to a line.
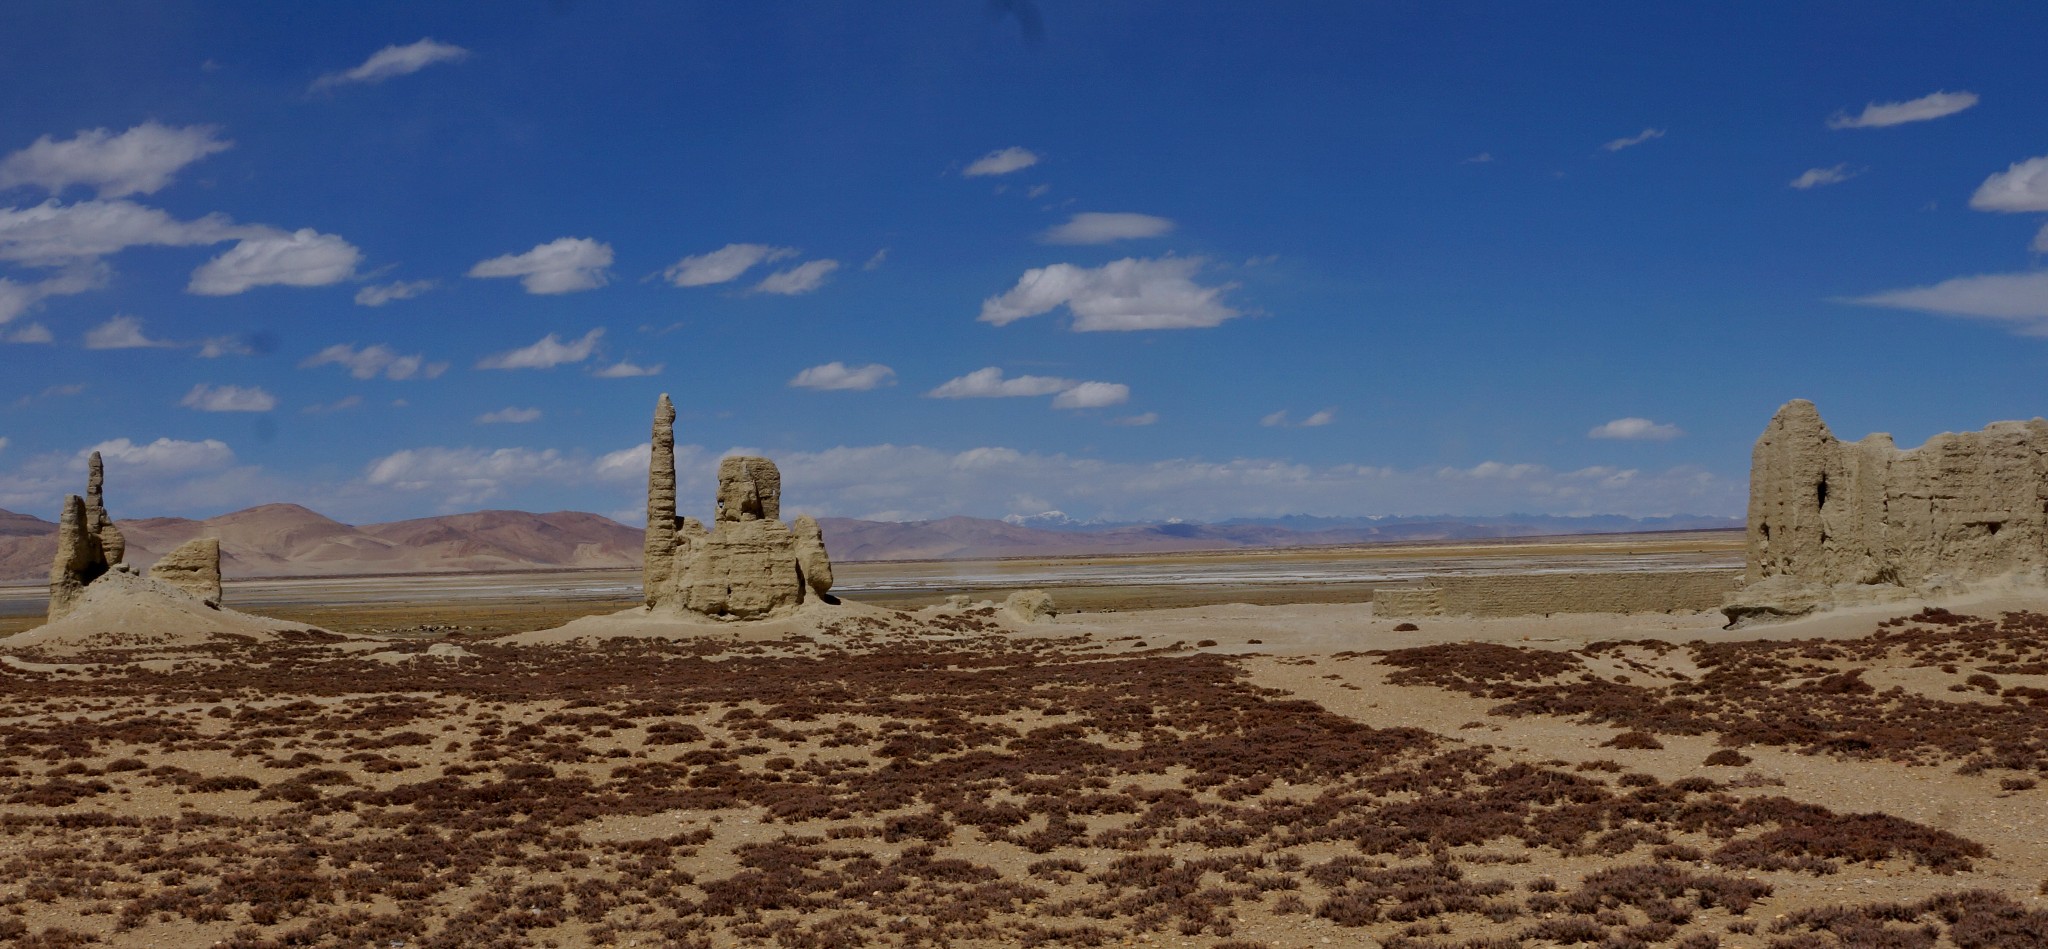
1821,493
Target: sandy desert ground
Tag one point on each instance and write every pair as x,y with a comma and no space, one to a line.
1207,775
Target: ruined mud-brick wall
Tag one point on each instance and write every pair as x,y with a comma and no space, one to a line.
1824,512
1538,594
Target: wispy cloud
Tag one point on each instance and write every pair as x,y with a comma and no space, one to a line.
2018,300
372,361
55,234
509,415
342,404
17,298
990,383
1127,294
800,279
206,398
838,376
304,258
141,160
2020,188
123,332
1092,395
724,264
1001,162
29,333
1636,430
1146,418
1316,419
626,370
1821,177
1096,227
393,61
1633,140
380,294
563,265
546,354
1881,114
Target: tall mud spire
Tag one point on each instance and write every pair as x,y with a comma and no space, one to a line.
660,547
113,544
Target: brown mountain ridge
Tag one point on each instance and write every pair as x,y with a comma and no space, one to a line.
287,540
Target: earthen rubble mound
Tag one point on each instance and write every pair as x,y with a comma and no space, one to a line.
1834,523
99,602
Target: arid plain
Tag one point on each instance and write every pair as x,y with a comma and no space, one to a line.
1154,766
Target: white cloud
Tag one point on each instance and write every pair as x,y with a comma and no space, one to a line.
1315,420
344,403
53,234
1633,140
916,482
206,398
989,383
1479,159
724,264
2017,299
30,333
1127,294
1001,162
2022,187
626,370
380,294
1637,430
875,262
840,376
1093,395
466,476
802,278
564,265
50,392
1096,227
155,477
392,61
2041,241
509,415
3,443
215,347
165,456
1818,177
546,354
303,258
122,332
141,160
1145,418
18,298
371,361
1931,106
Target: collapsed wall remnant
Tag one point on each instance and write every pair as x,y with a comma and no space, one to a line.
89,546
193,566
749,564
1834,523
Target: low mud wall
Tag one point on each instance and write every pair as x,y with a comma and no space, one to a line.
1540,594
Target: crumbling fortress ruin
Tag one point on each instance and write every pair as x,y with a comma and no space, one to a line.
748,565
90,545
1834,523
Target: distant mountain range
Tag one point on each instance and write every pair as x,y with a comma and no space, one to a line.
276,540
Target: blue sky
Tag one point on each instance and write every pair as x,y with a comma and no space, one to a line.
1131,260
